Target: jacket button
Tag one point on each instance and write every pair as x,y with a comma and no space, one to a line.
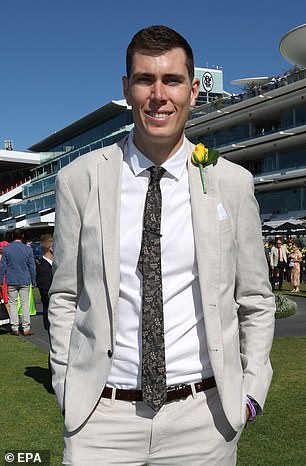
110,353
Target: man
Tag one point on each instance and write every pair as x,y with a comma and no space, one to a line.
268,249
19,267
181,296
44,274
278,263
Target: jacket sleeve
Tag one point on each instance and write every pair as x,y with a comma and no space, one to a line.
67,281
31,266
255,299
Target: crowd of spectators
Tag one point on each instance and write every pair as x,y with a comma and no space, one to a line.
287,261
20,273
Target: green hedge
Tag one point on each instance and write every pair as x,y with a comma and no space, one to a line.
285,307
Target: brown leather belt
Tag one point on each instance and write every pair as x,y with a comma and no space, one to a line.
175,392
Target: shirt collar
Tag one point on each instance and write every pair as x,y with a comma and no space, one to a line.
138,162
48,260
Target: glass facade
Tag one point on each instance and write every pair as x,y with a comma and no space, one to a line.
288,119
43,186
100,135
39,194
283,201
272,161
225,137
33,205
277,162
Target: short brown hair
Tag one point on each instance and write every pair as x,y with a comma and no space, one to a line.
46,241
18,234
158,39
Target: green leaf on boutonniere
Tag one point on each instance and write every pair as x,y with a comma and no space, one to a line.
202,157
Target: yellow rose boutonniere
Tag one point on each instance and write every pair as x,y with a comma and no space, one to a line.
202,157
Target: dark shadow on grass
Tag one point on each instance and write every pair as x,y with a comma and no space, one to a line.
40,375
5,328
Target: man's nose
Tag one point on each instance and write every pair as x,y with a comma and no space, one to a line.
159,91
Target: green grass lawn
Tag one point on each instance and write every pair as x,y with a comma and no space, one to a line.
287,287
278,436
31,419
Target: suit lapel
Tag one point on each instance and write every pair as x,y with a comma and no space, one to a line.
109,189
206,227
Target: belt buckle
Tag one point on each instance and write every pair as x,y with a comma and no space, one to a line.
176,388
177,392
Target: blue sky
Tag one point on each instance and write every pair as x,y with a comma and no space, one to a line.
62,59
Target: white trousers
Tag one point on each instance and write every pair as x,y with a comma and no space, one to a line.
23,292
188,432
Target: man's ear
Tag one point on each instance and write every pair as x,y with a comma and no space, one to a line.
125,86
195,89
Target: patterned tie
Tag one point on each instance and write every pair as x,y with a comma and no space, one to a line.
154,388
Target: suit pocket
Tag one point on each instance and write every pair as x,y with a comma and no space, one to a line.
228,243
225,226
76,341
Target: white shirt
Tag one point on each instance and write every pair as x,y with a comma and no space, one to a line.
187,357
48,260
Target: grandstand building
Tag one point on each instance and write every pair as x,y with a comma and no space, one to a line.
263,128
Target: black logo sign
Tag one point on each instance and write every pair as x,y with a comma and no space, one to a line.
208,81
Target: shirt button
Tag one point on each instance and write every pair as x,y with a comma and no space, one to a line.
110,353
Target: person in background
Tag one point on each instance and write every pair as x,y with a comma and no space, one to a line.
19,267
294,265
268,249
44,274
160,324
278,263
4,284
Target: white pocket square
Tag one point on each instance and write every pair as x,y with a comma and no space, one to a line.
222,215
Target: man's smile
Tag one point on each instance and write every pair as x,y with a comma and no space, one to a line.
158,115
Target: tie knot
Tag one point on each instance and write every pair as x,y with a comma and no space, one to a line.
156,174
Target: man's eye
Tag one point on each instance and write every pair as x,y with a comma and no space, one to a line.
144,79
172,80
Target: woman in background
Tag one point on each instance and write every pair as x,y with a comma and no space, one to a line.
295,260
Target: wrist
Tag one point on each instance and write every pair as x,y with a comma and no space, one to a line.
254,408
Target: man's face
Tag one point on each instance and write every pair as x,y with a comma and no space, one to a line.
160,94
279,243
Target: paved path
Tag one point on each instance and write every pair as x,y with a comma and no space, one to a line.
40,337
290,326
293,326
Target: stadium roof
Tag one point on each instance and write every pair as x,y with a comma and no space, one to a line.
292,46
108,111
11,160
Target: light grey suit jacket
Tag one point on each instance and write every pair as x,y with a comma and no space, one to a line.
238,305
274,255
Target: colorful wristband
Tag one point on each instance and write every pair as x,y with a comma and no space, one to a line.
252,409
